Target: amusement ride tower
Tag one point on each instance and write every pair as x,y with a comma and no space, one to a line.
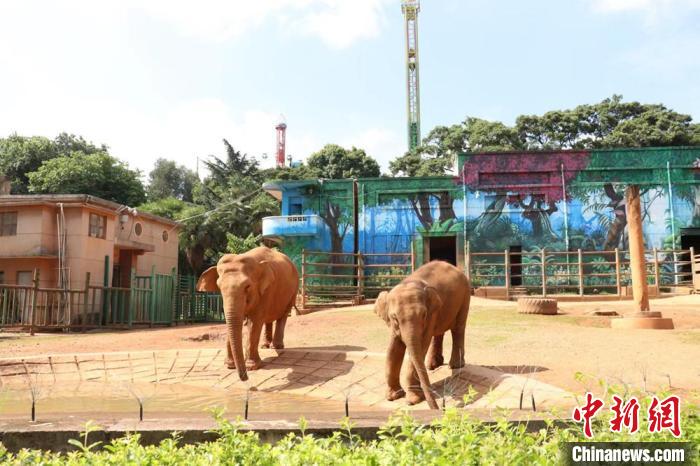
281,148
410,9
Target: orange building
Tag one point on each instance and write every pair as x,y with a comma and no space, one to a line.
67,236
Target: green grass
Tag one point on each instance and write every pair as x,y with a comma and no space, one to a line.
453,439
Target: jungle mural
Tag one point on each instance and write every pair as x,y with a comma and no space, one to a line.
557,200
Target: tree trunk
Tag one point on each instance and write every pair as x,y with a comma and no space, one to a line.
195,258
421,207
640,288
447,210
617,227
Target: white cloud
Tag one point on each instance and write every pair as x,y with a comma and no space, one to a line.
338,23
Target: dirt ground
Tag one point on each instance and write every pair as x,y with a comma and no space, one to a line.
552,348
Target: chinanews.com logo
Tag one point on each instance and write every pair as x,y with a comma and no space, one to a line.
662,415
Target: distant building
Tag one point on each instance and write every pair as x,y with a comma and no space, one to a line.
517,201
66,236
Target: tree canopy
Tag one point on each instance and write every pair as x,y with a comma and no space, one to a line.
168,179
609,123
336,162
21,155
97,174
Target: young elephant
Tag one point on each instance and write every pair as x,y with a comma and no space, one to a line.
258,287
430,301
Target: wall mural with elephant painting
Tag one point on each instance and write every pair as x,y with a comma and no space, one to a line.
556,200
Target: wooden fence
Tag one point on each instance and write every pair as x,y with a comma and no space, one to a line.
155,299
330,277
695,269
577,272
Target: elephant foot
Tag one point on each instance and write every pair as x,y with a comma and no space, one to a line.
392,395
266,344
435,362
277,345
458,364
252,364
413,398
230,363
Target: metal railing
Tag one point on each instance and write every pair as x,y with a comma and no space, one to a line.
577,272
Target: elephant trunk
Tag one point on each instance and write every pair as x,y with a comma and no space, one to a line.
234,324
413,346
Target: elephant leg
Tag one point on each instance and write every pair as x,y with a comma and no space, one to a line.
278,339
267,338
435,358
458,331
394,358
253,360
411,383
230,363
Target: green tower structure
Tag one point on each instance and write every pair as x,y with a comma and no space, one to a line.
410,9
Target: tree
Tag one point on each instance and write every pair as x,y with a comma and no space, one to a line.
335,162
97,174
20,155
168,179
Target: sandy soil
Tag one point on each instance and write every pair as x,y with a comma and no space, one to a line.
553,348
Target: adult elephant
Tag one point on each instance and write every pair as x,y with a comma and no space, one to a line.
259,287
427,303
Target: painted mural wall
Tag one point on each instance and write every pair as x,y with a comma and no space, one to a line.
558,200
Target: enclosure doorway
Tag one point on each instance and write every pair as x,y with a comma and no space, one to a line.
690,238
516,268
442,248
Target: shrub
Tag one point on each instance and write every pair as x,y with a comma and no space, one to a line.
455,438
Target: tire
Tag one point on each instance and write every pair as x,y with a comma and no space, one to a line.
543,306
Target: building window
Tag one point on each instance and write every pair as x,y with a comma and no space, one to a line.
8,223
25,277
138,229
2,278
98,226
165,236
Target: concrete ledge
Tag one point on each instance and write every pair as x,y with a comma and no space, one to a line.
653,321
54,436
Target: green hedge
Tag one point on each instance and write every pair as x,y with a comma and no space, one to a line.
455,439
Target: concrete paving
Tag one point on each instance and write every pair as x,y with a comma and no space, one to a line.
291,381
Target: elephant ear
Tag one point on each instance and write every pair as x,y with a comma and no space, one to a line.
380,306
267,277
207,281
432,300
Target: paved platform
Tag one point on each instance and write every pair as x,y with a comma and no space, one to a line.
292,382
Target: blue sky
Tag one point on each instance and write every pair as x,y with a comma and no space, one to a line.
165,79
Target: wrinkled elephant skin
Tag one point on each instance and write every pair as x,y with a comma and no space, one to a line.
418,311
258,287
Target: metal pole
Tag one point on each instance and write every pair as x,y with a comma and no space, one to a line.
618,278
506,263
544,273
580,272
673,220
566,223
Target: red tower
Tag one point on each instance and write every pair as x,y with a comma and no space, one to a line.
281,143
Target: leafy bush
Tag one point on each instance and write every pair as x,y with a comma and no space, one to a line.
455,438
